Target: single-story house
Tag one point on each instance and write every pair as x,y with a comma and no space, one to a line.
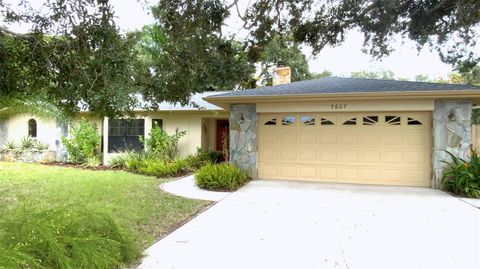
350,130
206,126
331,129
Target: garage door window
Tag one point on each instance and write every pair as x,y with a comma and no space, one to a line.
370,120
412,121
288,120
324,121
352,121
307,120
272,121
393,120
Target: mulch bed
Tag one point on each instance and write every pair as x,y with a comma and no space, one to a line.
79,166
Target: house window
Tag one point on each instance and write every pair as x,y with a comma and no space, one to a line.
307,120
324,121
288,120
370,120
393,120
125,134
412,121
157,122
32,128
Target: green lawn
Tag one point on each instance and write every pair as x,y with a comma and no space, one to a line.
134,201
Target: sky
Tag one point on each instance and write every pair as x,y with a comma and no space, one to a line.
405,61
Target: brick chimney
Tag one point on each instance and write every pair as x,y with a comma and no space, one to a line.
281,74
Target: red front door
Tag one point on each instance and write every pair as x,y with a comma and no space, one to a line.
223,133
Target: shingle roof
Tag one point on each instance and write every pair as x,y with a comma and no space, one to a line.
347,85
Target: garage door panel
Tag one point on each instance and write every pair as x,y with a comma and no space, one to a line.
288,136
348,156
308,155
287,171
288,154
392,138
391,148
370,138
350,138
307,171
329,173
327,155
328,138
370,156
308,136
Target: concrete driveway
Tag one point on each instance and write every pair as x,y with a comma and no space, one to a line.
279,224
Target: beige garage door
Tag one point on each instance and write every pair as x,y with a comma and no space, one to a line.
371,148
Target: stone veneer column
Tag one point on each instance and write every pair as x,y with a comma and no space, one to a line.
243,138
3,131
62,131
451,132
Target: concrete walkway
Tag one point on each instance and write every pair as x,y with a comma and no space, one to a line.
281,224
186,187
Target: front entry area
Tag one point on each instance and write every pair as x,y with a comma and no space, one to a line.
388,148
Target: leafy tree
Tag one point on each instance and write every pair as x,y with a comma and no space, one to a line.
322,74
84,142
188,52
73,54
386,74
449,26
283,49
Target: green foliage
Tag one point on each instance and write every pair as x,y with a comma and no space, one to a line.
39,145
10,145
65,237
323,74
73,53
163,145
133,201
220,177
462,177
27,143
202,158
83,143
284,49
92,161
385,74
160,168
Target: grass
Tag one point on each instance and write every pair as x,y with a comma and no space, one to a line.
134,202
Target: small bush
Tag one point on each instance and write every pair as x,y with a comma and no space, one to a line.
92,161
202,158
27,143
162,169
463,177
83,143
220,177
38,145
67,237
163,145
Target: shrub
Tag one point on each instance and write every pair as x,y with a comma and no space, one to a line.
38,145
67,237
463,177
92,161
163,145
27,143
161,168
83,143
202,158
220,177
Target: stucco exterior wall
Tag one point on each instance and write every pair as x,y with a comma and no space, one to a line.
191,122
17,129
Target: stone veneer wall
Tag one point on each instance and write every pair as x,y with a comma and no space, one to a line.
60,150
243,138
3,131
451,132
